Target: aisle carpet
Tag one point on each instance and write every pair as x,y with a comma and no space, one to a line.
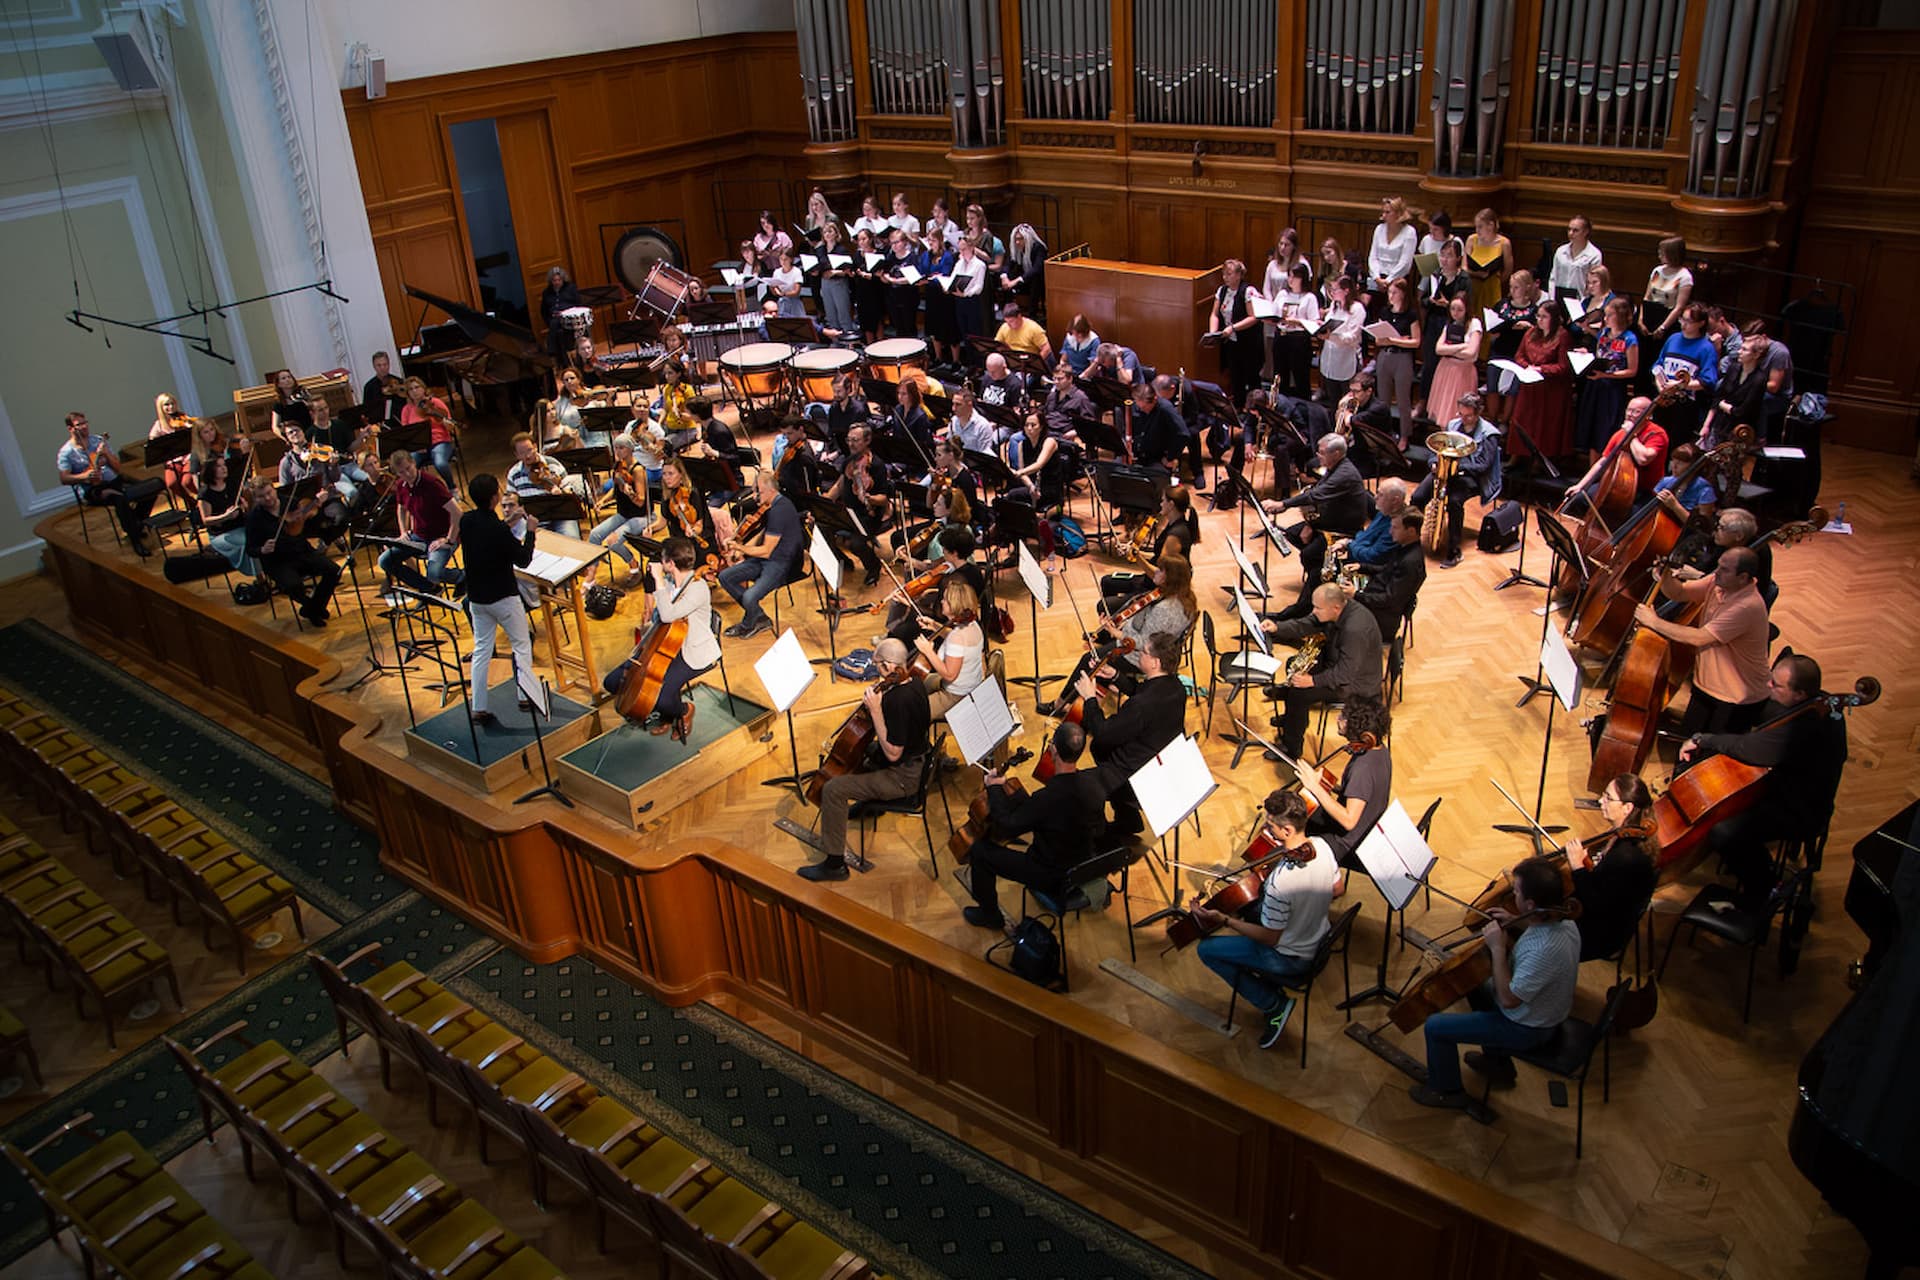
911,1198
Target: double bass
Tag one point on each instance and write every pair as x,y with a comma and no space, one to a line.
1614,492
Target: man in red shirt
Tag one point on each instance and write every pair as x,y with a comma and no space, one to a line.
1649,456
429,521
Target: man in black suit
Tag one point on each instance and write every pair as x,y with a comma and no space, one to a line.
1349,665
1338,500
1154,716
1065,816
1392,586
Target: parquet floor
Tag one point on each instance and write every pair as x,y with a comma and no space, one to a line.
1687,1162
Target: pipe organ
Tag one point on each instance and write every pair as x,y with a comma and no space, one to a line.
1066,59
1204,62
1363,65
1608,71
1738,94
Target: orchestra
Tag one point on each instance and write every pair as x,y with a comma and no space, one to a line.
1469,355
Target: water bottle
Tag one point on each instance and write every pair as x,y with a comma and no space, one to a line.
1840,515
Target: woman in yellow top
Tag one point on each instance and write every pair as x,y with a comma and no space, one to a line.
1489,262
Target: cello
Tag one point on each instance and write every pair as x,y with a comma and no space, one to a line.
1720,787
654,648
979,821
847,749
1465,968
1240,890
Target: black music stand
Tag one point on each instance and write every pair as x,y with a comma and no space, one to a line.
710,475
998,414
995,472
357,538
440,618
830,518
797,331
414,437
1097,433
171,447
1107,394
542,706
881,396
712,311
1018,522
1519,574
552,508
587,458
1564,551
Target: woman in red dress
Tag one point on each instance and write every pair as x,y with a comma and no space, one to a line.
1543,409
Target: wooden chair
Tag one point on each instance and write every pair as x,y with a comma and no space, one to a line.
788,1249
235,894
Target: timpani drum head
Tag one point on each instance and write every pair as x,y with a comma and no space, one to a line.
636,252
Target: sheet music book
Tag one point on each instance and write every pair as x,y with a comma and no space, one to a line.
1381,331
550,568
1251,662
1039,585
1310,326
809,263
738,278
1259,306
1563,673
1519,371
1580,360
1173,784
980,721
910,273
1251,621
1575,308
1491,319
872,260
1784,451
1248,570
784,670
823,558
1274,539
947,282
1426,264
1395,856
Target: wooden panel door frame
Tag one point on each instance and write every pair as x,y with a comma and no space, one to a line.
533,281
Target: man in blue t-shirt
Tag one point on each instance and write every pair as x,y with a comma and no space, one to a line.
90,466
767,561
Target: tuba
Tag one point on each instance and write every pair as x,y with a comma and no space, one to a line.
1448,447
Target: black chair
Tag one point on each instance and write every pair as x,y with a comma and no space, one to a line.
726,684
1396,688
1071,896
915,802
1338,939
1569,1055
1223,669
1716,909
796,573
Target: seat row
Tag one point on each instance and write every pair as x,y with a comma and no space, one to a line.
130,1216
201,873
77,935
371,1187
701,1218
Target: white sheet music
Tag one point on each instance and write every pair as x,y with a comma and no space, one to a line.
1395,856
838,260
1491,319
872,260
1575,308
1381,331
1520,371
808,262
1251,620
823,558
1248,570
1039,585
1311,326
909,273
1259,306
1173,784
550,568
1579,360
1563,673
980,721
784,670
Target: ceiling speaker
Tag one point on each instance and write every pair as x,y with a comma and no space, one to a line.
129,57
376,77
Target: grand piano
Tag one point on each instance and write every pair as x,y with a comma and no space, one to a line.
1856,1131
480,350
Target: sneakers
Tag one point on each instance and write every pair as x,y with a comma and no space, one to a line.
1496,1067
981,918
744,630
831,869
1452,560
1430,1097
1277,1022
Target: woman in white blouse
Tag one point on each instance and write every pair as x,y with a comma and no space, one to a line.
960,659
1296,307
1669,290
785,284
1391,257
1280,264
870,220
1340,354
969,281
1572,260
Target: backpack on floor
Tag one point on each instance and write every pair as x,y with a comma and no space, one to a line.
856,665
1036,953
249,592
1069,539
601,601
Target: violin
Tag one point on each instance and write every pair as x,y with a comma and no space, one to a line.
1241,890
1136,545
1135,607
978,821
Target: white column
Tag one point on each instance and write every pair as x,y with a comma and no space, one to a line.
278,73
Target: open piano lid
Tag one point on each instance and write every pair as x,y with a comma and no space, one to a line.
1856,1131
497,337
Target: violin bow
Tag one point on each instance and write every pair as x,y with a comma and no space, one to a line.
1521,810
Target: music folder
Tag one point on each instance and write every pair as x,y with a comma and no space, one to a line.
1172,784
980,721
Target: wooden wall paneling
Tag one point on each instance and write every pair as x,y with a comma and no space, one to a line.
1408,1235
1173,1142
763,937
681,924
408,153
858,989
1003,1058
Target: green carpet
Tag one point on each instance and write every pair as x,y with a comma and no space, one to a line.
248,796
915,1201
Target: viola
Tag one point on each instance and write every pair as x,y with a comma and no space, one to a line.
978,821
1135,607
1071,706
686,512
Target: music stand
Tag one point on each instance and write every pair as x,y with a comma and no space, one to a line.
357,538
786,672
881,396
998,414
709,475
171,447
441,619
1097,433
1039,596
541,696
989,467
1565,552
1556,662
587,458
1025,362
797,331
552,508
1519,574
414,437
1107,394
712,311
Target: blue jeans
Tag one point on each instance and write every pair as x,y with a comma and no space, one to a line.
440,457
1487,1026
1252,968
394,562
619,528
750,580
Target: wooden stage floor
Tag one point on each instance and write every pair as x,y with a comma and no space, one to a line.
1687,1163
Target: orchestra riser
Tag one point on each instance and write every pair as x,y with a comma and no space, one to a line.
1688,1155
